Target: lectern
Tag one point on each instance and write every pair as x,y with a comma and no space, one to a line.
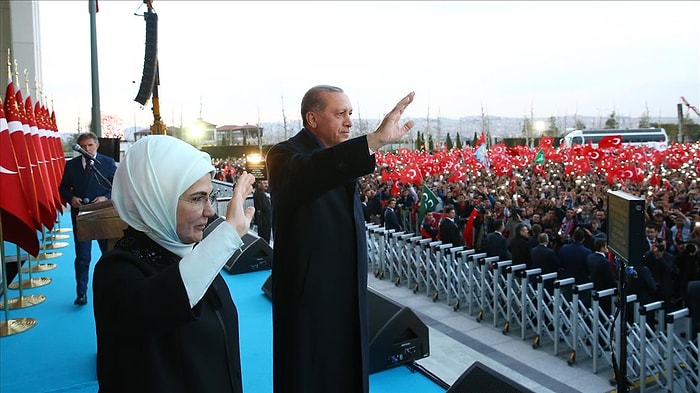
99,221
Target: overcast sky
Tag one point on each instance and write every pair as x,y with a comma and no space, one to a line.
246,61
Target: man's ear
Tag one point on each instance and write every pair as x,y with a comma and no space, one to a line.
311,119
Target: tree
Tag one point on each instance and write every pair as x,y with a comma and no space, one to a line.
448,142
431,145
645,119
579,125
458,141
474,140
553,129
420,143
611,123
526,127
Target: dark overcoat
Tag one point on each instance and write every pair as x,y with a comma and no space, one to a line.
319,273
149,339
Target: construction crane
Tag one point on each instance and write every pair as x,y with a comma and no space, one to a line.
694,109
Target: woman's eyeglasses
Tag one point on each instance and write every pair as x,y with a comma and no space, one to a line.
199,201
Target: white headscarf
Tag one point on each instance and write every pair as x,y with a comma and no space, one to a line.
155,172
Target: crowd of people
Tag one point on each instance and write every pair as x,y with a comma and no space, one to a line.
544,215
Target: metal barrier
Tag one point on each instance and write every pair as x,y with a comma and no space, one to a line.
545,309
452,272
682,356
393,253
486,296
528,301
660,352
437,271
581,321
417,274
499,290
513,300
409,262
430,265
375,247
602,325
651,347
562,319
461,281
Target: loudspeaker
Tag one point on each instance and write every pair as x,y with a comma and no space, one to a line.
480,378
148,76
267,287
254,255
397,336
109,147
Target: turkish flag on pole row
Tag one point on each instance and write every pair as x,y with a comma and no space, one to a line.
19,144
40,185
48,140
49,218
15,213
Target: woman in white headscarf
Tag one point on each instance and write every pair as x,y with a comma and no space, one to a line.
164,316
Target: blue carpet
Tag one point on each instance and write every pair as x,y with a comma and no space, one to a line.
58,354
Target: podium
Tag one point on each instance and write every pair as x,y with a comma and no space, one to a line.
99,221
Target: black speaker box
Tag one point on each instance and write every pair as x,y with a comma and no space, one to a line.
480,378
109,147
150,59
254,255
396,335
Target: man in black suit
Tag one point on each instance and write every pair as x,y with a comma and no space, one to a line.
600,270
82,184
448,232
543,256
263,210
391,219
319,274
495,243
574,258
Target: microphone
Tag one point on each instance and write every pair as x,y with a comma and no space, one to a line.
85,154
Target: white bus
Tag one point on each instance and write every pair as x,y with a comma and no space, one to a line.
653,137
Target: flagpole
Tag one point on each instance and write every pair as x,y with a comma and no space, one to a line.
9,326
96,118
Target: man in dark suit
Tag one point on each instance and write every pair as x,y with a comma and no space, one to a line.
495,243
600,271
574,258
543,257
82,184
263,210
391,219
449,233
319,275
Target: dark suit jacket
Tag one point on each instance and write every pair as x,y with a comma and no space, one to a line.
544,258
600,272
574,260
449,233
319,274
495,245
391,220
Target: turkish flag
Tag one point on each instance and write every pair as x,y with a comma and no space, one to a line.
610,142
18,225
546,141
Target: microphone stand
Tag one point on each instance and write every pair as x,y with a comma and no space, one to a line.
101,176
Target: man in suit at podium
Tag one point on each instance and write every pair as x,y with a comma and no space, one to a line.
82,184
